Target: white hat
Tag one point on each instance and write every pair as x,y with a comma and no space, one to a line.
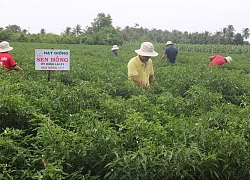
115,47
147,49
5,47
229,59
169,43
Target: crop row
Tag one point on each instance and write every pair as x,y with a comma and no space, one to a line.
91,123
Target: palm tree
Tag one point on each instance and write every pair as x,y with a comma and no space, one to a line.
42,31
217,37
77,30
67,30
230,33
246,33
230,30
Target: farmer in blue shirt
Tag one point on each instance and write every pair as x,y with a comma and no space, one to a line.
171,52
114,50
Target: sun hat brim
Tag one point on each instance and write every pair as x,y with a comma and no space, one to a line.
169,43
6,49
114,49
228,59
151,54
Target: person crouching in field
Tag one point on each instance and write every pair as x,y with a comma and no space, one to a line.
6,60
114,50
140,67
218,60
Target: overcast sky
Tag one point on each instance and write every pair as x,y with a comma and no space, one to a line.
183,15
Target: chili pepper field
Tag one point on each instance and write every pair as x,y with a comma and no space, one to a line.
91,123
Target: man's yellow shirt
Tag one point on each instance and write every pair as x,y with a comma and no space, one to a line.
137,67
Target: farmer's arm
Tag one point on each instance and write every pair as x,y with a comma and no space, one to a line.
13,65
152,79
137,80
133,73
211,58
17,68
163,56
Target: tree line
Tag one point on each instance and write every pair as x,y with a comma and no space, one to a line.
102,32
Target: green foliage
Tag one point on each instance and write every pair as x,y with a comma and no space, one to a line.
92,123
107,36
102,20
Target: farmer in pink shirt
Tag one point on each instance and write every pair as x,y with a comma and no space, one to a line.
218,60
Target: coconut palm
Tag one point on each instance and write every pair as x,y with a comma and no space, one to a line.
230,31
246,33
218,37
67,30
42,31
77,30
229,34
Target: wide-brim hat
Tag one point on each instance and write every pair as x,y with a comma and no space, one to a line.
5,47
169,43
115,47
228,59
147,49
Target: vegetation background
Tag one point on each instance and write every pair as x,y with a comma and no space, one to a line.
102,32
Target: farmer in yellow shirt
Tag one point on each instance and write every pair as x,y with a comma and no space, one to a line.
140,67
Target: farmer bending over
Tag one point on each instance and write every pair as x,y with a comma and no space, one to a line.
218,60
140,67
